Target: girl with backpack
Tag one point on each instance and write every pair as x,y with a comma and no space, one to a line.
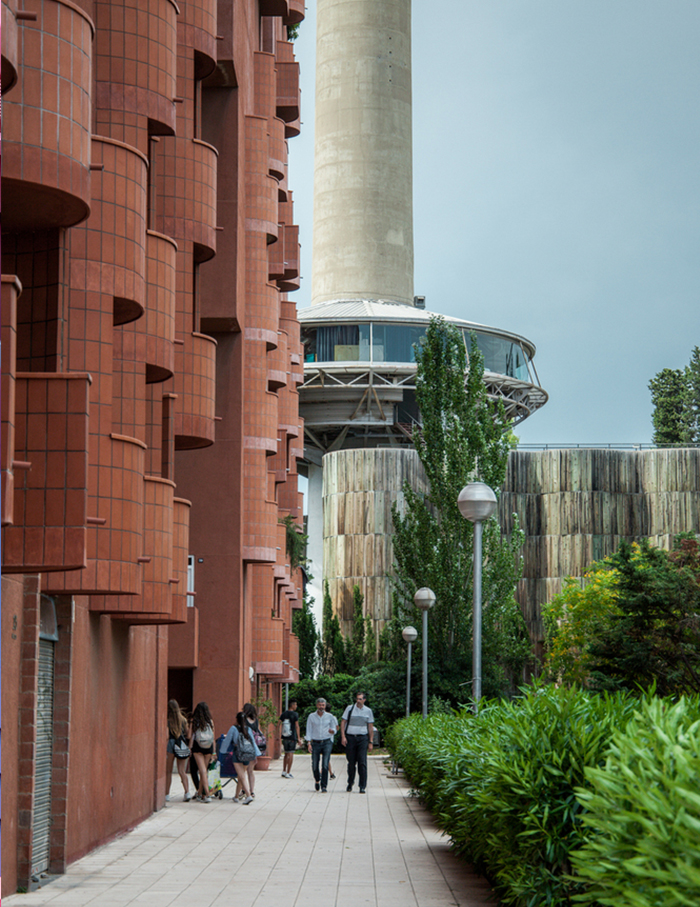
202,746
241,742
178,734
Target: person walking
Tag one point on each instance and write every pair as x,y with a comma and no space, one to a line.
241,742
320,730
291,735
356,735
202,745
251,716
178,734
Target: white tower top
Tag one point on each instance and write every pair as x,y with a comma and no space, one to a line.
363,200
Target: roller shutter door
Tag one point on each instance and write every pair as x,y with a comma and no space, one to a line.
44,759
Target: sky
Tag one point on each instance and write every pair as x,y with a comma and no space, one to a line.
556,191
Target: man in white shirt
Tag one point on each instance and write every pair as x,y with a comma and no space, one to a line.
320,730
356,735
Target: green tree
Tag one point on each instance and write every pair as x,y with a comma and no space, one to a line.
463,437
692,378
370,641
333,658
355,647
304,628
655,638
671,416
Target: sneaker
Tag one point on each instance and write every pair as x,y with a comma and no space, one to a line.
290,775
318,785
247,801
348,788
206,799
252,796
362,790
188,796
167,797
323,790
285,775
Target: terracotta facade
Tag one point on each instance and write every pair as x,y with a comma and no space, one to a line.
150,366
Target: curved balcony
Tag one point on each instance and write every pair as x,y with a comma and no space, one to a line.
288,412
195,386
277,166
265,84
108,251
290,276
262,300
115,525
50,474
296,12
261,188
287,83
136,60
277,364
186,187
9,48
259,514
196,28
260,420
161,265
47,120
153,603
293,128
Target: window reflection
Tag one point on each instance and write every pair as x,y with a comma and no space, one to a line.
396,343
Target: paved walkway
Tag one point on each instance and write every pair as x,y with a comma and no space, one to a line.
291,847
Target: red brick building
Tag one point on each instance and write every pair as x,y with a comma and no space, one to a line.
150,364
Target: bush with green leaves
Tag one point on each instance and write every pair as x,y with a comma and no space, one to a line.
503,784
643,812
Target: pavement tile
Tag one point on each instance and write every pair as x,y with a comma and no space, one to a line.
291,847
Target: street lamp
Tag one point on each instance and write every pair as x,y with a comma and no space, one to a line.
477,502
425,599
410,635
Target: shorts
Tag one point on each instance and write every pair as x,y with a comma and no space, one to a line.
207,750
289,744
171,746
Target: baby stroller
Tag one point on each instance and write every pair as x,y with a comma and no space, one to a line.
226,768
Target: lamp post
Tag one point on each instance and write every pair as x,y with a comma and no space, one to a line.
477,502
424,599
410,635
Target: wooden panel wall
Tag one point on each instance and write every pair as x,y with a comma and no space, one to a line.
575,506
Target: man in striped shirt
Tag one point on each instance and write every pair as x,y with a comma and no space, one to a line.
320,730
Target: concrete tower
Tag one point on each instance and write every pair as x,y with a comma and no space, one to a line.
363,207
358,397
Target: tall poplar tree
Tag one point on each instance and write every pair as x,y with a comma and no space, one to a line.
462,438
692,377
671,416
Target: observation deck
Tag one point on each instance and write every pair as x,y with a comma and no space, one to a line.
359,386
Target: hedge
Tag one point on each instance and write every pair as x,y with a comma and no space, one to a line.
503,785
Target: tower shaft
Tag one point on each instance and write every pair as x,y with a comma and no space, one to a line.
363,221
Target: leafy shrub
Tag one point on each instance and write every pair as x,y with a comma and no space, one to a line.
503,784
643,812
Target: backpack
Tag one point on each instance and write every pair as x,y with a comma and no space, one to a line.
286,727
260,739
244,749
204,736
